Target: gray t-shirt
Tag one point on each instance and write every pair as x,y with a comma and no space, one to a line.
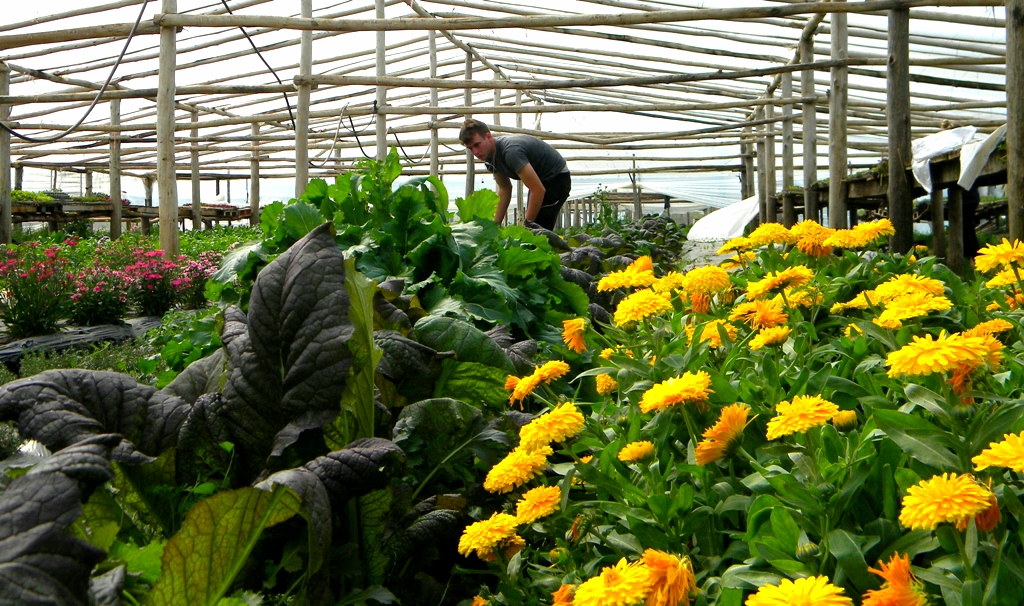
512,152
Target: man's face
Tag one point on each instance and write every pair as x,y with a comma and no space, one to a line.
481,146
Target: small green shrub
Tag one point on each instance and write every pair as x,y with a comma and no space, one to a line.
10,440
124,357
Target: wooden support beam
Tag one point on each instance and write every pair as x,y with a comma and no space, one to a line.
6,226
955,214
762,167
147,184
197,208
809,127
838,98
115,172
381,90
747,174
434,133
302,109
771,177
254,178
468,101
788,208
1015,116
901,211
165,173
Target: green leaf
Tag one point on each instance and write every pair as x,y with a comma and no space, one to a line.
786,531
973,592
373,513
468,342
919,438
201,562
300,219
144,561
100,520
926,399
477,384
357,399
481,204
848,550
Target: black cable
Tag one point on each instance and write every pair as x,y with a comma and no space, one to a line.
404,153
352,125
95,100
287,103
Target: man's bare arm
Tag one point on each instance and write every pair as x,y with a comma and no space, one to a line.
537,191
504,186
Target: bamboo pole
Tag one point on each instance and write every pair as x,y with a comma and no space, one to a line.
114,31
434,133
19,175
610,19
809,133
520,210
254,178
771,179
1015,117
901,211
837,123
302,109
197,208
467,100
788,208
747,188
6,226
115,172
381,91
147,185
762,167
165,138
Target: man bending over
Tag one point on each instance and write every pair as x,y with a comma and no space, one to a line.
521,157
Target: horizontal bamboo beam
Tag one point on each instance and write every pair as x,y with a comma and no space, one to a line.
116,30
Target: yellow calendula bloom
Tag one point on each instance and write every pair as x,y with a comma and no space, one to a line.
551,371
852,330
624,584
767,337
563,596
606,384
564,422
519,467
537,503
1005,277
642,263
636,451
925,355
791,277
735,245
799,415
707,280
845,420
479,601
1009,453
711,334
573,332
737,260
485,536
640,305
671,281
522,388
725,435
688,388
672,582
991,327
771,233
607,352
876,229
808,591
760,314
799,297
638,274
811,238
1004,254
511,381
945,498
864,300
901,588
912,305
905,284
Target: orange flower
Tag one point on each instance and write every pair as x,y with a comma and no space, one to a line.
573,332
901,588
671,579
724,435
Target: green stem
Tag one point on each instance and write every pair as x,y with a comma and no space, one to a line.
438,467
968,569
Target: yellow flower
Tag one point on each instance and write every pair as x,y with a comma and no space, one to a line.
808,591
606,384
811,238
1004,254
760,314
563,596
737,260
586,459
1005,277
551,371
791,277
479,601
852,328
486,535
876,229
900,587
537,503
621,585
862,301
671,281
510,382
945,498
671,579
905,284
770,336
735,245
912,305
710,332
573,333
1008,453
925,355
636,451
799,297
523,388
707,280
690,387
845,420
642,263
607,352
991,327
771,233
558,425
724,435
640,305
803,413
519,467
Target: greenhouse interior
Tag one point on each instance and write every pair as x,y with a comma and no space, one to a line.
452,302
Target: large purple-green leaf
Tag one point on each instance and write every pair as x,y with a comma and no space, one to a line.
40,563
363,466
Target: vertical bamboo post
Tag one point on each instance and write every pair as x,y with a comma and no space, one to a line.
6,224
1015,116
147,184
497,100
788,208
519,184
302,109
165,170
19,176
254,177
115,170
382,91
197,208
955,244
88,182
810,131
467,100
747,185
837,105
938,220
772,202
897,110
762,169
638,206
435,143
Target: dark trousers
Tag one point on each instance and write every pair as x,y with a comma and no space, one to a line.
556,191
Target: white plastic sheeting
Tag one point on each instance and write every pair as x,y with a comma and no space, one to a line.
725,223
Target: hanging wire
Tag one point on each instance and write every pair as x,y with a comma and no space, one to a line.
337,133
355,135
408,159
287,103
96,99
